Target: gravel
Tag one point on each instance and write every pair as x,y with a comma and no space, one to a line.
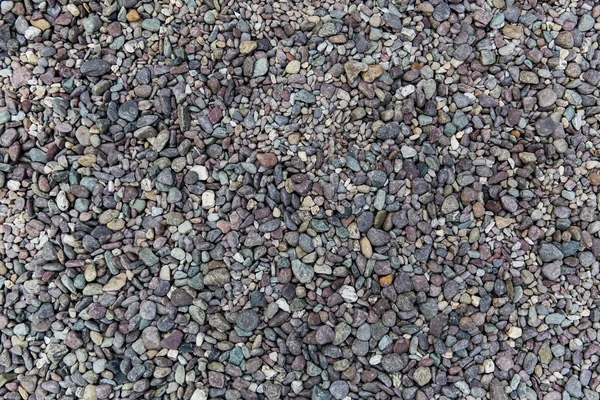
267,200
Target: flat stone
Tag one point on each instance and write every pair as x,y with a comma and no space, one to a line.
95,67
247,320
392,363
372,73
181,298
325,334
248,46
147,257
565,40
151,24
217,277
547,98
268,160
129,110
545,126
388,131
549,252
339,389
422,376
115,283
303,272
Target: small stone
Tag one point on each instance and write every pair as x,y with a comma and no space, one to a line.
181,298
32,32
372,73
73,341
441,12
353,69
504,361
151,338
529,78
339,389
261,67
408,152
248,46
552,271
92,24
303,272
129,110
95,68
422,376
497,390
267,160
366,248
450,205
41,24
217,277
348,293
594,178
148,310
545,126
513,31
325,334
549,252
514,332
586,22
293,67
115,283
151,24
388,131
509,203
132,16
554,319
392,363
565,40
148,257
247,320
208,199
463,52
573,387
172,341
546,98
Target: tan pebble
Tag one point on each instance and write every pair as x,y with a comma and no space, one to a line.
90,273
294,139
594,178
87,161
293,67
41,24
248,47
115,283
513,31
366,248
372,73
514,332
338,39
116,225
132,16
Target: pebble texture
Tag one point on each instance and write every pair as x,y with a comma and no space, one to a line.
299,200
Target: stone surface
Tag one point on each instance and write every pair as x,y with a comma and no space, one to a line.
248,200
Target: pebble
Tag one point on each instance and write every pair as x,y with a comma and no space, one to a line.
422,376
247,320
95,68
547,98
